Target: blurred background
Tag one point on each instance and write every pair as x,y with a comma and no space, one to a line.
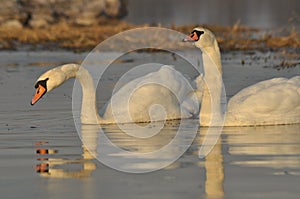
82,24
254,13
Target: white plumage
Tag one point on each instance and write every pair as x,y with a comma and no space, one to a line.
270,102
161,95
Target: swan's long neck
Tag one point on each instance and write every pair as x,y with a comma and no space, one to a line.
211,113
89,111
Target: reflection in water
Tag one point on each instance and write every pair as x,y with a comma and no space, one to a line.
60,168
270,146
276,147
54,167
118,150
214,167
213,162
214,173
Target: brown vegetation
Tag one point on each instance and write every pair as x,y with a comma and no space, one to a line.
73,37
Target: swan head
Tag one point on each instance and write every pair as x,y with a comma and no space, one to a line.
47,82
202,38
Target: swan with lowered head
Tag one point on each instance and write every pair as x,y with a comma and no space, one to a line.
270,102
169,90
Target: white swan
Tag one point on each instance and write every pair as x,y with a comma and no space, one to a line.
165,87
271,102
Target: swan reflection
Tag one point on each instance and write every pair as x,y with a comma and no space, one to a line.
273,147
213,164
269,146
50,164
62,168
117,149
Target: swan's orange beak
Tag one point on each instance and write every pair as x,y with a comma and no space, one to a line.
40,91
191,38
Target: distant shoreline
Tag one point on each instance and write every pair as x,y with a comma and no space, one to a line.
85,38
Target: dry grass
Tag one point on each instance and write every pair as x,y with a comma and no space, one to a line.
237,37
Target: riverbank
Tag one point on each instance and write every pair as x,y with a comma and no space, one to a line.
85,38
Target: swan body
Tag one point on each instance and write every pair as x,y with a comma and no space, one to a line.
270,102
157,96
165,88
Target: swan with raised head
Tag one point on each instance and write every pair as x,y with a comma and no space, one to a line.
270,102
165,87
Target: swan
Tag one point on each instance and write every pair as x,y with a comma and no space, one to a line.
271,102
169,90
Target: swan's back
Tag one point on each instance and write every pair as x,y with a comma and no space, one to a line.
274,101
159,94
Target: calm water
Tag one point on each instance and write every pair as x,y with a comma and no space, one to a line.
42,156
262,14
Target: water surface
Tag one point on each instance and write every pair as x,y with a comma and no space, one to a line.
42,156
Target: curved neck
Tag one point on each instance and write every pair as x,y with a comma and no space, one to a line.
211,113
89,111
213,52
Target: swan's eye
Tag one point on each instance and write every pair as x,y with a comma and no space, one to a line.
195,34
41,82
